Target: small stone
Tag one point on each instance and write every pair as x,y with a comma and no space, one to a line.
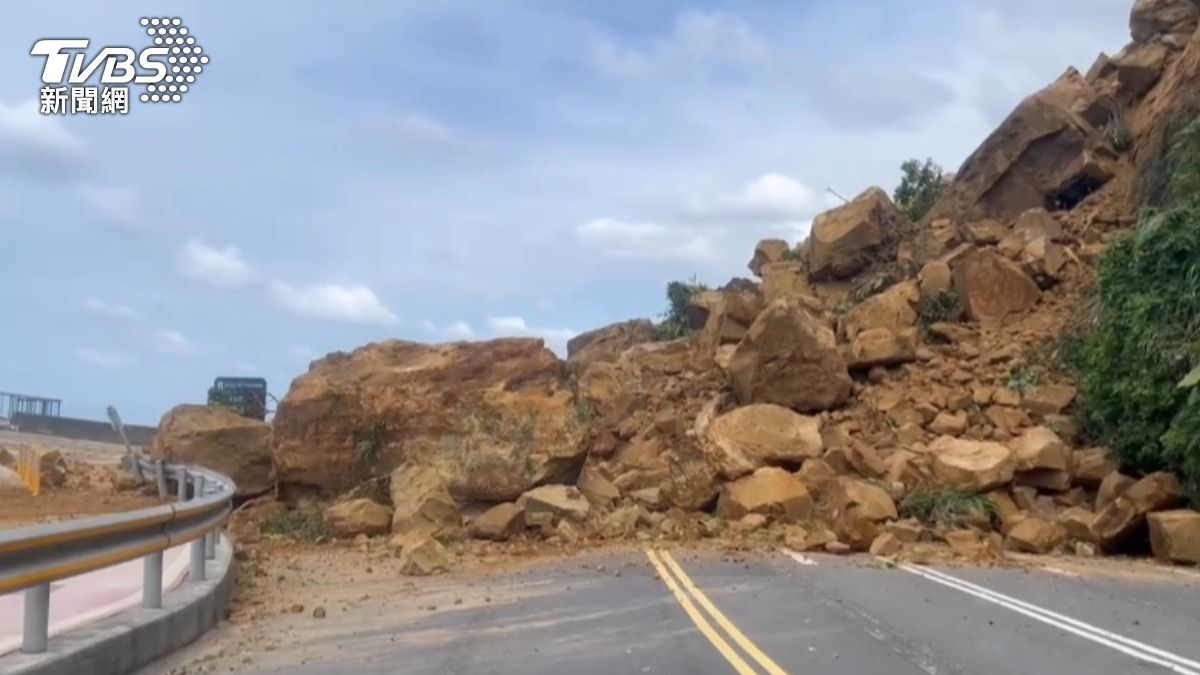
319,613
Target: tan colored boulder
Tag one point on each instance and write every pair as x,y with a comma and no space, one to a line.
949,424
751,436
358,516
692,480
817,475
422,556
845,239
869,501
972,466
729,319
991,288
605,344
984,232
1045,261
865,459
786,280
1007,511
499,523
1037,224
934,279
218,439
1077,523
882,347
1175,536
597,489
886,545
1048,399
768,251
1006,418
1112,486
892,310
934,242
789,358
548,503
769,491
1092,465
1151,18
1035,535
908,531
1126,516
493,418
423,506
1040,448
52,467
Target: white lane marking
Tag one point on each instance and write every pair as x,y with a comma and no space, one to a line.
800,557
1138,650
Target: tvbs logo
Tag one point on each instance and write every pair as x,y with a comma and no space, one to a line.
168,69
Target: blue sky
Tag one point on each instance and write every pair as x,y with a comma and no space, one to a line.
354,171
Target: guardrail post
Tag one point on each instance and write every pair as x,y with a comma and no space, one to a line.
152,577
198,545
210,545
160,473
37,619
183,485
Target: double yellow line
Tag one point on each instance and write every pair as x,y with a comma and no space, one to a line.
685,592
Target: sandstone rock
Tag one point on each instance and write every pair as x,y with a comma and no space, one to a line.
969,544
1040,448
1006,418
543,505
1037,224
985,232
886,545
949,424
730,318
692,480
605,344
786,280
1034,535
769,491
651,498
865,460
972,466
597,489
991,288
1112,486
934,278
494,418
1048,399
1077,523
844,239
1126,516
1151,18
423,506
882,347
499,523
933,242
907,531
1045,261
1092,466
892,310
1007,511
817,475
52,468
867,500
422,557
358,516
789,358
1175,536
768,251
218,439
746,438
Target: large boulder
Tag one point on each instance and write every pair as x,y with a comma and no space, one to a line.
422,505
892,309
882,347
1151,18
605,344
770,492
789,358
729,318
546,504
992,288
845,239
218,439
746,438
1175,536
856,510
1092,465
786,280
766,252
1035,535
499,523
358,516
972,466
493,418
1043,460
1045,154
1125,517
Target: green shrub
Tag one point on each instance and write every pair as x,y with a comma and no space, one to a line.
674,323
940,308
920,186
299,524
946,506
1133,362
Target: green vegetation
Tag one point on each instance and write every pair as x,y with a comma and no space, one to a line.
299,524
941,308
946,506
369,443
674,322
920,186
1137,362
1023,380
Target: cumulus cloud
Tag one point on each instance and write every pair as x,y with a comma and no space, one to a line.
645,241
102,358
171,342
220,267
331,302
515,326
770,198
113,312
38,146
458,330
697,37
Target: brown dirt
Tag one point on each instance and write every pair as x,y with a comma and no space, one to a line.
19,508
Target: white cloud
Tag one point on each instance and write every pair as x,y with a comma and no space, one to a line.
100,358
645,241
172,342
771,197
697,37
515,326
116,206
459,330
220,267
35,145
115,312
330,302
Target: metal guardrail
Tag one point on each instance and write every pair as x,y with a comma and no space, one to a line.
33,557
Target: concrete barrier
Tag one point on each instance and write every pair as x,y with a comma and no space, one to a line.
81,430
137,637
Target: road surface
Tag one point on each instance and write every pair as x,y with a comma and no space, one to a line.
669,612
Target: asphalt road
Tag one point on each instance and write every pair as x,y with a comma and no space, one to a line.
704,613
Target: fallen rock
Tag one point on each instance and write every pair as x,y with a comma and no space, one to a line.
789,358
1151,18
1091,466
1037,224
1043,460
749,437
1034,535
692,482
1175,536
729,318
1077,523
423,506
422,556
768,251
219,439
499,523
358,516
972,466
1048,399
605,344
934,279
597,489
52,468
1126,516
949,424
786,280
546,504
886,545
891,310
1045,261
907,531
844,239
882,347
870,501
1112,486
986,232
769,491
991,288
